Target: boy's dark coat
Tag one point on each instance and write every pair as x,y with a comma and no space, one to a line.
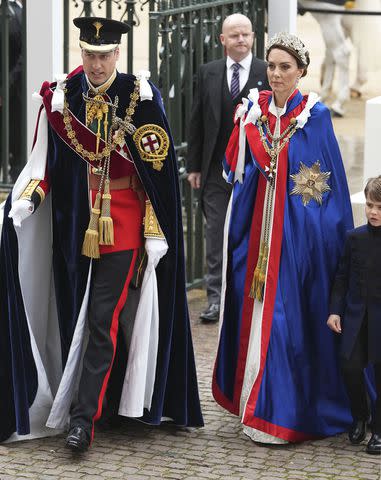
357,290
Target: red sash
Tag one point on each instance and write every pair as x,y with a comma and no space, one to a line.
263,160
119,165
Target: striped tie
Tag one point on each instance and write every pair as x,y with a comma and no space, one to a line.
234,86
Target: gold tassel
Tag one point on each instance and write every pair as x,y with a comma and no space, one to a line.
106,226
90,247
262,275
254,283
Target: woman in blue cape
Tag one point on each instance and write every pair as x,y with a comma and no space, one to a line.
276,364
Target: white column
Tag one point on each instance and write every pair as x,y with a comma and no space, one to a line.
44,25
372,164
282,16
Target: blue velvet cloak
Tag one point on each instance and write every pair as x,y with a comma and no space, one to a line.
298,392
176,393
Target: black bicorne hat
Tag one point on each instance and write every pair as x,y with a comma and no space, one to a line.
99,34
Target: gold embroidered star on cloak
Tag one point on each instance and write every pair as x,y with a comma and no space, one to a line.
310,183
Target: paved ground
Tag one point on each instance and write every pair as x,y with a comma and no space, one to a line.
218,451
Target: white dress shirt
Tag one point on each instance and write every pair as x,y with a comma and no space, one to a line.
244,71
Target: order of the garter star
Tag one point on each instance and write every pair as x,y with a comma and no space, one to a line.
310,183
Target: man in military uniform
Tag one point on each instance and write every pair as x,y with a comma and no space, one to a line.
108,167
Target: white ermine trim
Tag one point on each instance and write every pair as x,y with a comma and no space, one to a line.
255,111
240,114
304,115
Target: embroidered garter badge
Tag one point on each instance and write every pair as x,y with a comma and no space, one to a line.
310,183
152,143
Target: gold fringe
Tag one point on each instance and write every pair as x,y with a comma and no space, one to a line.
90,246
106,231
106,225
254,283
262,275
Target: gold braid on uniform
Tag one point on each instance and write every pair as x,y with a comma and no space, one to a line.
34,193
151,225
100,230
30,188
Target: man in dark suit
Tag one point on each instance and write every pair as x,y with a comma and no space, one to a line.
356,314
220,86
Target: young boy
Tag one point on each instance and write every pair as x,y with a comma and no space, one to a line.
355,313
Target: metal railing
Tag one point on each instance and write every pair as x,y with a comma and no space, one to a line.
12,91
183,35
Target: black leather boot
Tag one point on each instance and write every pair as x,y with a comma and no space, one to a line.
374,445
77,439
211,314
357,432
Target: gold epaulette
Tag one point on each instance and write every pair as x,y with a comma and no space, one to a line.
32,187
151,225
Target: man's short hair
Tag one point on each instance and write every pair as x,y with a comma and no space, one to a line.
373,189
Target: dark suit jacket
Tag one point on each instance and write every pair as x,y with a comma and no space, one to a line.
356,291
206,111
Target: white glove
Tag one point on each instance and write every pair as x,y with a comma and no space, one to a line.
21,209
156,248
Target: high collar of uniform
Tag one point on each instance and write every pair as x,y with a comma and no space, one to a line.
101,88
374,230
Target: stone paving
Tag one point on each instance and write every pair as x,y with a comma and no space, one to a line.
135,451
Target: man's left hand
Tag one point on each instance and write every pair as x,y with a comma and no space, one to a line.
156,248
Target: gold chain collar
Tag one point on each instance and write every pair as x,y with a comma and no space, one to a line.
277,144
105,153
